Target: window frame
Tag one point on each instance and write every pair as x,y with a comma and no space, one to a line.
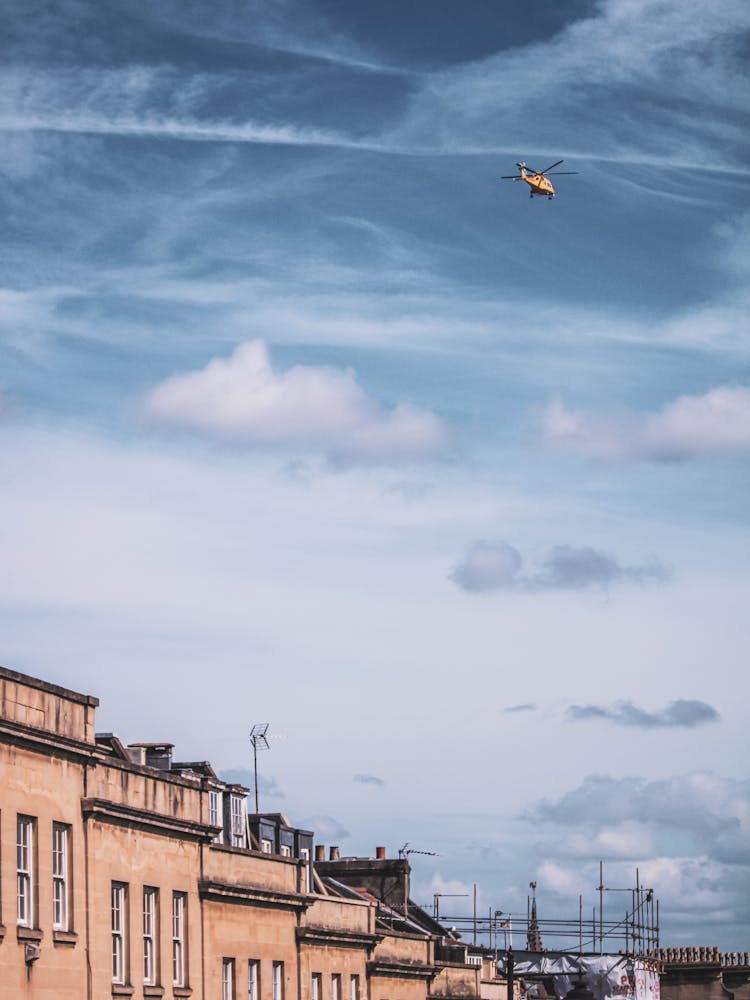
215,813
119,926
25,870
253,979
179,914
277,981
237,820
150,931
335,986
354,986
316,986
61,877
228,979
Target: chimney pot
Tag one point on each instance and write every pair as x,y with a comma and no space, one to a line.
380,853
320,852
333,854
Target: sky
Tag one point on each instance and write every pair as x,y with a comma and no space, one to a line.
308,417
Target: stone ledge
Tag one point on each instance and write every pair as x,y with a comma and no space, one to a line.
122,990
69,938
153,991
29,934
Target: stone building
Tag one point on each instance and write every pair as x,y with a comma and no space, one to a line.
695,973
126,873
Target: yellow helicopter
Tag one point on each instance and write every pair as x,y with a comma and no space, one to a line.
537,179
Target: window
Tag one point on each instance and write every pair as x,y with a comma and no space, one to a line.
317,986
178,938
238,820
60,881
227,979
354,988
278,981
266,846
25,829
214,813
286,851
150,935
119,931
336,986
304,853
253,979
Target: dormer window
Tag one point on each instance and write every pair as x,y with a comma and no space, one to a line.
214,813
237,819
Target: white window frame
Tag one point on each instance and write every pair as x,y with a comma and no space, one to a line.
227,979
119,900
316,992
237,820
178,938
277,981
336,986
214,813
354,987
266,846
150,935
60,876
253,979
286,851
25,841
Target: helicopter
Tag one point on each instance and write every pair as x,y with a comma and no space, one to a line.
537,179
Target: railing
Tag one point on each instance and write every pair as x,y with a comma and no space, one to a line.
705,956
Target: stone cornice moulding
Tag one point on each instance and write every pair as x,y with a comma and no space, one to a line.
122,815
332,935
250,895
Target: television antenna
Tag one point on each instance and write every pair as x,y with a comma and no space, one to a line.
405,851
259,740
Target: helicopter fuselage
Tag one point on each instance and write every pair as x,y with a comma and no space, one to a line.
538,183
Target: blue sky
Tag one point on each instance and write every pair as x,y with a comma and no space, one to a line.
308,417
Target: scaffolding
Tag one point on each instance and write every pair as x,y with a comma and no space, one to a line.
633,931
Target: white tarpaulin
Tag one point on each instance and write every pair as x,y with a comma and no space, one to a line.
609,977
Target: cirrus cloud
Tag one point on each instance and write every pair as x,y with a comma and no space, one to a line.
690,427
241,400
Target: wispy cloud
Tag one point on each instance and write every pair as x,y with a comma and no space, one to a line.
528,706
369,779
681,713
691,427
496,565
241,400
325,827
621,49
268,787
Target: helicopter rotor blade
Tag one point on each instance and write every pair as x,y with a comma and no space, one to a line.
551,167
511,177
563,173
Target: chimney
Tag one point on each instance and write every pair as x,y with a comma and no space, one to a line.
380,853
333,854
320,852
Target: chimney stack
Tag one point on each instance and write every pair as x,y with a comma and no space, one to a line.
333,854
380,853
320,852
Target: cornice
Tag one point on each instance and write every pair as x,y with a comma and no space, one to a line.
402,970
249,895
332,935
123,815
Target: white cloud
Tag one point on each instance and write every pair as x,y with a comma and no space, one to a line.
241,400
691,427
631,839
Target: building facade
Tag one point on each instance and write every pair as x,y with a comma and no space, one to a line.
125,873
